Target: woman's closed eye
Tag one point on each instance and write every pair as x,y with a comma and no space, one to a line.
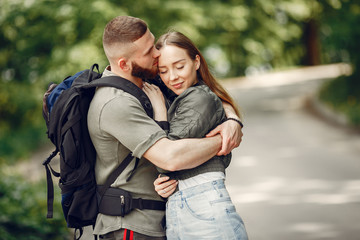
165,71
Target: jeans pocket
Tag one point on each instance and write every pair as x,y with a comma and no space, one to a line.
228,220
199,208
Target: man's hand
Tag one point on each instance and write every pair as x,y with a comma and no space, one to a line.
231,135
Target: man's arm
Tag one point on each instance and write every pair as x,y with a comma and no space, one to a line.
184,153
230,131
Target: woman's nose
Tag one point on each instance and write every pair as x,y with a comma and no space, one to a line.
173,75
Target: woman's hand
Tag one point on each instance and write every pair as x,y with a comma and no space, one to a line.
157,101
165,187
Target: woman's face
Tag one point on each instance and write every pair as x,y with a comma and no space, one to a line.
176,69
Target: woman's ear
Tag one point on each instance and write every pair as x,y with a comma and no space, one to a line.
197,62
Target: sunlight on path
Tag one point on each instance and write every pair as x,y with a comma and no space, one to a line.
289,76
281,191
315,230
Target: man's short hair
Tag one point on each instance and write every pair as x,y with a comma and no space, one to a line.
122,30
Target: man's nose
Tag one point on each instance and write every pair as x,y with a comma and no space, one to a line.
156,53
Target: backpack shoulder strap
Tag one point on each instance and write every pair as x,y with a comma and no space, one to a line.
131,88
125,85
114,175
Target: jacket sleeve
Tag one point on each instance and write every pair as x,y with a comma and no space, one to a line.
195,113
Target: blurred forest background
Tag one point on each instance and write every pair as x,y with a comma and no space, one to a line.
43,41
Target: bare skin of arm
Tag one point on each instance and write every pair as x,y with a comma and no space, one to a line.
181,154
230,131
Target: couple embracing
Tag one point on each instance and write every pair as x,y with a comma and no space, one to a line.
196,125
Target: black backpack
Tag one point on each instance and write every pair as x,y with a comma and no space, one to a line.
65,108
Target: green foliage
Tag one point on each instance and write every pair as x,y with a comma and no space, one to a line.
55,38
339,39
21,125
23,212
340,44
249,33
44,41
338,94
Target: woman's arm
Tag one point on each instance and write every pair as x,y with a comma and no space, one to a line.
194,113
229,111
157,101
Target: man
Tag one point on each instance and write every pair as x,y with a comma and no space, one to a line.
119,125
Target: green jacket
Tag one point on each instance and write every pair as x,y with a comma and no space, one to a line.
193,114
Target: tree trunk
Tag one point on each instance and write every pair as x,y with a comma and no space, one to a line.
311,39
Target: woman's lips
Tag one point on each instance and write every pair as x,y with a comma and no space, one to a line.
177,86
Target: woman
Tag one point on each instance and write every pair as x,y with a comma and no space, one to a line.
201,208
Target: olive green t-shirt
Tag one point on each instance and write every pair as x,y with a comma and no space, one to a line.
118,124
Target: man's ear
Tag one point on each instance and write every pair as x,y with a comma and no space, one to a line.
123,64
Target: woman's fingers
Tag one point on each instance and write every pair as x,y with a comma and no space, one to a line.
166,192
150,89
165,187
160,180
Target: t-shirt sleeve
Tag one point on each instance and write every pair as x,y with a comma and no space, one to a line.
125,119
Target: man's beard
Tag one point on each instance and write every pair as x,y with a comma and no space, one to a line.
142,73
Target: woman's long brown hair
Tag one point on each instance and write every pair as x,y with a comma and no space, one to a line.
180,40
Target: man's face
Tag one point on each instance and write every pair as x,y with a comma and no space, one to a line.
144,61
143,73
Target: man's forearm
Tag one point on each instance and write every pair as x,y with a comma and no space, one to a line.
183,153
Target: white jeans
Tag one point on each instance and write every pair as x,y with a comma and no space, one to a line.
203,212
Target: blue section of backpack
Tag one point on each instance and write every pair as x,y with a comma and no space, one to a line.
59,88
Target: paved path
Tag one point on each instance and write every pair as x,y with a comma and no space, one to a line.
295,176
